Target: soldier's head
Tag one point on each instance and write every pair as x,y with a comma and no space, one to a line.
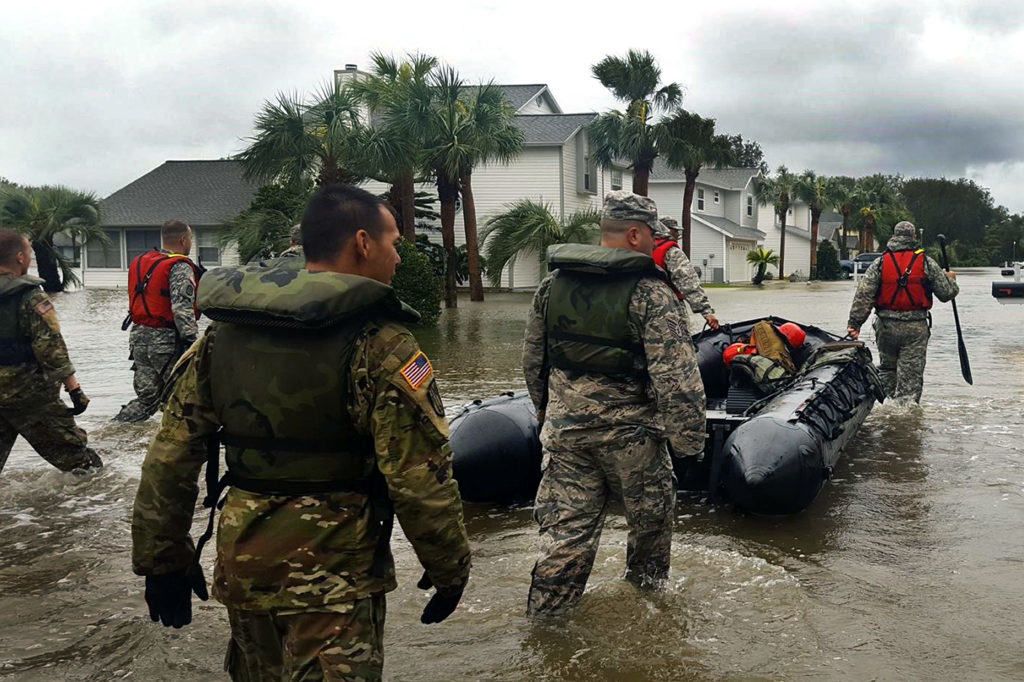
629,221
15,253
348,230
176,237
671,226
905,230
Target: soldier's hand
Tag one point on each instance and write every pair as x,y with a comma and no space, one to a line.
853,333
79,399
712,321
442,604
169,596
951,275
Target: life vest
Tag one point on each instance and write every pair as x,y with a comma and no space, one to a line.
904,281
149,288
15,345
587,319
661,249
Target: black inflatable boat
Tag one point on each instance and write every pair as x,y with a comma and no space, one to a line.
765,453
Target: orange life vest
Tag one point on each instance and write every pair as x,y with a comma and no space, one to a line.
149,288
661,247
904,281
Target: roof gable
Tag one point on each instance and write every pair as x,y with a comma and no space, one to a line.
722,178
551,129
518,96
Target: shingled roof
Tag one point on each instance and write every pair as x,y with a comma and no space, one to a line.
551,129
205,192
520,95
730,228
725,178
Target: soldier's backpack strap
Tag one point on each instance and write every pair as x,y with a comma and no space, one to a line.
215,485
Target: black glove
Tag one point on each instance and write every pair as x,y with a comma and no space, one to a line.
169,596
80,401
442,604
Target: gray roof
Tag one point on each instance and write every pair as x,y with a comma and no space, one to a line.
520,95
551,129
827,230
197,192
725,178
730,228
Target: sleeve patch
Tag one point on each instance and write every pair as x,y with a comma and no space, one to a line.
44,307
417,371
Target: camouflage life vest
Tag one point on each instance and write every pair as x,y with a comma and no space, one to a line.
279,375
587,319
15,345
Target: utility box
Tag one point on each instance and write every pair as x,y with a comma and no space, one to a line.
718,275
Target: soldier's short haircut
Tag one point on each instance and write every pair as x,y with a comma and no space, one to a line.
334,215
11,244
173,230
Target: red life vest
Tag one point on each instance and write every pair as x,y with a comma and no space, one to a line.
661,247
904,282
149,288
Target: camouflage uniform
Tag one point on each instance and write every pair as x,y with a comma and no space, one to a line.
684,277
298,573
154,350
604,436
30,403
902,335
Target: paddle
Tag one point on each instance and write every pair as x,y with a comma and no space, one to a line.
965,364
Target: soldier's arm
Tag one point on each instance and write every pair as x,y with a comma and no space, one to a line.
183,297
671,365
943,287
685,278
168,487
404,414
864,298
535,359
47,342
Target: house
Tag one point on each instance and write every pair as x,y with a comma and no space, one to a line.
724,217
202,193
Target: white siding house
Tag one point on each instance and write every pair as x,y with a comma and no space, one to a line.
798,238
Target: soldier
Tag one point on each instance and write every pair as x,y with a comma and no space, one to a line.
34,363
613,376
899,286
294,249
162,310
671,258
330,414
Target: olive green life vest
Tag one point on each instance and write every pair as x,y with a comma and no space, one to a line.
587,319
279,375
15,345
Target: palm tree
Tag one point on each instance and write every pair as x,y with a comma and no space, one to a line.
875,198
42,213
688,141
841,196
762,258
813,190
529,227
630,134
777,191
298,140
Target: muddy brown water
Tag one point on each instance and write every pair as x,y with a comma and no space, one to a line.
909,565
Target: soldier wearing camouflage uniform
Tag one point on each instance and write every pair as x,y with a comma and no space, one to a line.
34,363
331,418
902,321
156,344
669,256
294,249
613,375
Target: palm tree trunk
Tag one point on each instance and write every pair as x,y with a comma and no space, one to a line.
448,193
687,236
476,283
815,219
782,245
641,176
46,265
407,201
844,251
869,235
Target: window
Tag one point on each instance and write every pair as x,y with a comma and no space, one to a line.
750,206
700,199
207,247
138,242
101,255
616,179
717,197
68,248
586,167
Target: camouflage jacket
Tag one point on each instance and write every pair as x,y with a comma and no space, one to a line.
310,552
670,402
183,298
685,279
942,288
38,320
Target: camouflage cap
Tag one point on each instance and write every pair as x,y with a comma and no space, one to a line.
623,205
905,229
295,234
670,223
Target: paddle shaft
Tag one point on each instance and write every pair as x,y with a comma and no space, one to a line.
965,363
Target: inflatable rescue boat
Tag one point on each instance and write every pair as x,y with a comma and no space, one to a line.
769,447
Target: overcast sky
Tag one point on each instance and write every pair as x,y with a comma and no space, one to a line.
96,94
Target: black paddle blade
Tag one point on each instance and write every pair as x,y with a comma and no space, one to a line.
965,364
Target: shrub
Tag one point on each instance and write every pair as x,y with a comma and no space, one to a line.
828,262
417,284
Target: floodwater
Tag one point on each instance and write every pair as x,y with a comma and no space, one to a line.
909,565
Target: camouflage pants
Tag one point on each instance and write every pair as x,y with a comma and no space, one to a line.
311,645
153,363
45,423
902,350
572,501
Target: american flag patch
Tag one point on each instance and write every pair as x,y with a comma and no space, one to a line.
417,371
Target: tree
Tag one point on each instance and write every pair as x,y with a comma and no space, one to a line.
828,262
43,213
813,190
1005,240
528,227
297,141
762,258
777,191
616,135
263,229
878,204
417,284
841,196
747,154
959,209
688,141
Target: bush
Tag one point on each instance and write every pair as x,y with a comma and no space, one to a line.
417,284
828,262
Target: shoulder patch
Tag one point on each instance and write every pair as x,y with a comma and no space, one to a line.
417,371
44,307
